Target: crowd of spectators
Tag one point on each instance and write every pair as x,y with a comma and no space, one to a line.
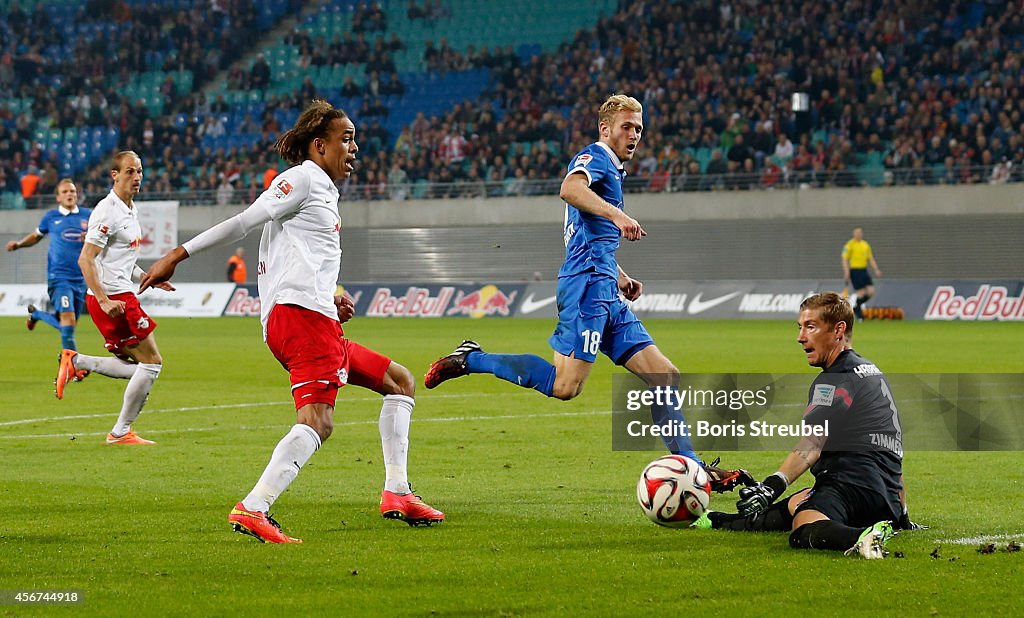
889,89
72,67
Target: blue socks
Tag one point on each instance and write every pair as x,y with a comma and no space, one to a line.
666,413
47,318
67,337
526,370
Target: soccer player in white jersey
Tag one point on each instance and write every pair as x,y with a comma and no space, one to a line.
108,263
299,263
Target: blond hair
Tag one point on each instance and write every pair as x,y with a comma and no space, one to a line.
615,104
61,182
314,122
834,309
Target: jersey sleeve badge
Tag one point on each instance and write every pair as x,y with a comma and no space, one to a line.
583,159
824,394
282,188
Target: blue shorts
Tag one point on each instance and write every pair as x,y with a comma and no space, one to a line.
592,318
67,296
859,278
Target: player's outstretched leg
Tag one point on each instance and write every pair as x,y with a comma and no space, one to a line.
35,315
526,370
828,534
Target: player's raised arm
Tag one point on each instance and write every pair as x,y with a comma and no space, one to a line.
576,192
227,231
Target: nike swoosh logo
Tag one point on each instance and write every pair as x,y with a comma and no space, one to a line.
530,305
700,306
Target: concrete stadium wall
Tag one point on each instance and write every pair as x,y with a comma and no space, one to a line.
959,231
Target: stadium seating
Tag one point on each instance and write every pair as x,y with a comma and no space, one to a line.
725,63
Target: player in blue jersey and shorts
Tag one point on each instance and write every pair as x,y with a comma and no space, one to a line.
592,317
66,225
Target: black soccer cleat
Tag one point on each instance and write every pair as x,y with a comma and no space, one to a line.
726,480
31,322
451,366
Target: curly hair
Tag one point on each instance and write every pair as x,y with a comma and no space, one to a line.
314,122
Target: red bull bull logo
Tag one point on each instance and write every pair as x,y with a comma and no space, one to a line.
487,301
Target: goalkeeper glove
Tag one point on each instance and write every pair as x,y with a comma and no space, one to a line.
759,496
904,523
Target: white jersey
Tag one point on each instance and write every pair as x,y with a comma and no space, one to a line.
300,251
114,227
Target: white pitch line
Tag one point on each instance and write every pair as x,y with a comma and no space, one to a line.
978,540
447,419
227,406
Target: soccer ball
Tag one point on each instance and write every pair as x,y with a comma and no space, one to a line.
673,491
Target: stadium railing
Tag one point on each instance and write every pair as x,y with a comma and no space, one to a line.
514,187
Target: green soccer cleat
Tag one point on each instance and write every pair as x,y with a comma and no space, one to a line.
702,522
871,544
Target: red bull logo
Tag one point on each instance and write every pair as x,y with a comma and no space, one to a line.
135,244
417,302
990,303
487,301
242,303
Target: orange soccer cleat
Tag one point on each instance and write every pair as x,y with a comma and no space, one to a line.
259,525
409,508
129,438
65,372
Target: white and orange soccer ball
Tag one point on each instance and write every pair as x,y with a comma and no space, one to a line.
673,491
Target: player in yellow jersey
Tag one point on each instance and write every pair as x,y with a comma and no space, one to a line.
856,258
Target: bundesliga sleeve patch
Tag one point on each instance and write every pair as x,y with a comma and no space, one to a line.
104,229
583,159
282,189
824,394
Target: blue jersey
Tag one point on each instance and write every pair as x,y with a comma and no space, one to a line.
67,235
591,241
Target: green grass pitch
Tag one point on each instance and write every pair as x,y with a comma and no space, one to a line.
542,516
